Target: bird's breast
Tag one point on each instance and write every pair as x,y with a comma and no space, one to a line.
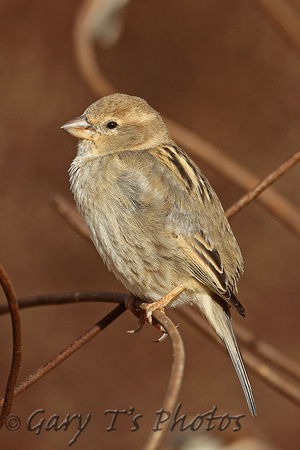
130,237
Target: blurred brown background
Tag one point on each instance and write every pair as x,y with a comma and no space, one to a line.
221,69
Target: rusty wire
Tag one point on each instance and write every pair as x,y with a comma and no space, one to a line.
175,378
65,299
17,344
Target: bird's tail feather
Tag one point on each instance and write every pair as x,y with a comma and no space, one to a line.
237,359
223,327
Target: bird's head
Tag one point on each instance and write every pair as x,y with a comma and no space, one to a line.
118,122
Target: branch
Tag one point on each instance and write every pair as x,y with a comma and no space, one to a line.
68,298
17,344
175,379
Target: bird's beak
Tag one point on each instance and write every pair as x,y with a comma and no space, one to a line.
79,127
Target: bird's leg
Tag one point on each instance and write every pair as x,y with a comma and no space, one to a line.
161,303
149,308
141,313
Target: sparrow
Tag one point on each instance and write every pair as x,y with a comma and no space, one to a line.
154,217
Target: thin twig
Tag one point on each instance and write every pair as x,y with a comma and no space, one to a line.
269,376
175,379
17,344
285,19
274,202
68,351
264,184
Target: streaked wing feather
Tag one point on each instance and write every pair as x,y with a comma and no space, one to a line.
206,267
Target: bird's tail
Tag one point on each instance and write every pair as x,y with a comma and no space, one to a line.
221,323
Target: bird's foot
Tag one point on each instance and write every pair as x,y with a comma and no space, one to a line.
148,308
161,303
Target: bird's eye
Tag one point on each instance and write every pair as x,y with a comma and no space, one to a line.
111,125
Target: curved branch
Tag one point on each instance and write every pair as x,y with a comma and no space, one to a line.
83,40
17,344
175,379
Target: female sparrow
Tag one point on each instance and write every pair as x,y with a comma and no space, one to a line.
153,216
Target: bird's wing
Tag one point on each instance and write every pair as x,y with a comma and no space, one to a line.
206,266
198,222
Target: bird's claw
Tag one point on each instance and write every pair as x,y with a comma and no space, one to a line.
162,338
129,304
141,324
